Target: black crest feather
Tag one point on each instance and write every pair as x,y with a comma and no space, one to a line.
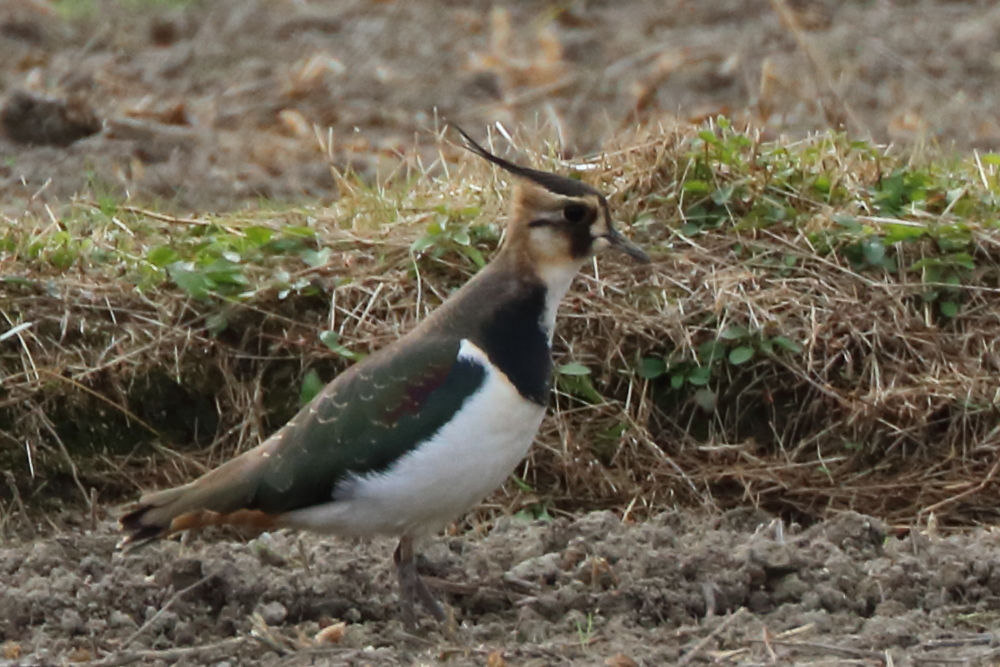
560,185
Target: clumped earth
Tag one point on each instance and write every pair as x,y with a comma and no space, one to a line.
739,588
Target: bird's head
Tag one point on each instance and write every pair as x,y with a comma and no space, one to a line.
556,219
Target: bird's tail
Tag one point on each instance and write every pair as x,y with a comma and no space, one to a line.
216,498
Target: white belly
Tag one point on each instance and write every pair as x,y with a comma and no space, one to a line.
446,476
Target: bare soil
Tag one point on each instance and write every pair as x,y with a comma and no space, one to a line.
212,106
740,589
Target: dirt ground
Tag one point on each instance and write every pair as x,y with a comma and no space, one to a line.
212,105
735,589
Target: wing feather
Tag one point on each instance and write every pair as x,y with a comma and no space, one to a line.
360,423
365,421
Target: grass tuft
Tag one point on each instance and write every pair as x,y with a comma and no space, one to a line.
816,332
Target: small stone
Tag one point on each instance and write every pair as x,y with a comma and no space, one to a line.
775,558
831,598
621,660
71,622
11,650
96,626
811,601
120,619
93,566
185,572
790,589
531,626
80,654
574,553
184,634
162,623
273,613
890,608
596,526
331,634
541,569
760,602
44,121
575,621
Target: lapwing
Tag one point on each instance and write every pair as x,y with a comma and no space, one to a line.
412,437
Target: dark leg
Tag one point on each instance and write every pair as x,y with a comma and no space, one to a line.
406,571
412,586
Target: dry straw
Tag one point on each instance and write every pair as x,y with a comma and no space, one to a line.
884,401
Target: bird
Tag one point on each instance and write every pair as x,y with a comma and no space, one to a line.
412,437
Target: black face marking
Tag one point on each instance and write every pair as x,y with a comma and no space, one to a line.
575,223
560,185
581,241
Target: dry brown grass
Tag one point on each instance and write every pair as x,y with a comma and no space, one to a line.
123,380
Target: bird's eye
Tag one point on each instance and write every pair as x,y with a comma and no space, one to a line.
575,212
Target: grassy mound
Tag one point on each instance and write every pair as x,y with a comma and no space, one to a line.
818,329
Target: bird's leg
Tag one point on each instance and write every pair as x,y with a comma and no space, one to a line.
406,571
412,586
429,601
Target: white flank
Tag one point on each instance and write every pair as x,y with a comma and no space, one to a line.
445,476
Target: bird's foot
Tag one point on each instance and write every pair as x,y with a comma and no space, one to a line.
412,587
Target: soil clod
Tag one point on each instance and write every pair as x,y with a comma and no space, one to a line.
46,121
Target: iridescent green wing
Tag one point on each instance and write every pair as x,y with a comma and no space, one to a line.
363,421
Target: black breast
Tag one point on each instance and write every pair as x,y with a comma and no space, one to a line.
512,337
500,311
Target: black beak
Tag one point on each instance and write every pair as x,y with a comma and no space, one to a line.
616,240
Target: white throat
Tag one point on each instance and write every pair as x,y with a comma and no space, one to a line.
557,279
